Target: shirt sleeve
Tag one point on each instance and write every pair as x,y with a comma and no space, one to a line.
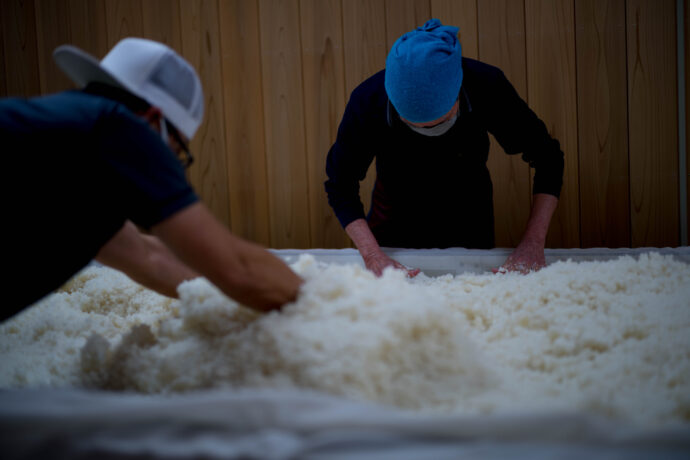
150,180
347,163
518,129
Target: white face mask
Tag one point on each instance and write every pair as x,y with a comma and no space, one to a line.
435,130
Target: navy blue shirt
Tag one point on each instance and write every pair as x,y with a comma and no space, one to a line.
76,167
436,191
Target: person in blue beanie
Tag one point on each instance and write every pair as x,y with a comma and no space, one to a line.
426,119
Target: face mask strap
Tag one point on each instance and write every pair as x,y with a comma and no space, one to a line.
164,131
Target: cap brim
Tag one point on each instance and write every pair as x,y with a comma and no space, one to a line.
81,67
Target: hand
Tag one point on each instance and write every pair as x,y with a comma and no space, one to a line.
378,261
528,256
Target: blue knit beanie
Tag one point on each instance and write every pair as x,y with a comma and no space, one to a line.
424,72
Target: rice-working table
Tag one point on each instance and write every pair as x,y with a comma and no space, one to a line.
390,368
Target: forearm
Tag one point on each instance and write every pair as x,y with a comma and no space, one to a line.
164,271
244,271
146,260
543,208
358,230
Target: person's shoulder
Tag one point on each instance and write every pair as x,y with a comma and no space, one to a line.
69,110
478,70
76,99
369,97
85,107
371,87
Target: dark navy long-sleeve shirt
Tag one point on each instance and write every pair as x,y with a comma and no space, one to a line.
436,191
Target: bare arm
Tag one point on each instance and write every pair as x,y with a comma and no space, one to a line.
374,258
145,259
242,270
529,254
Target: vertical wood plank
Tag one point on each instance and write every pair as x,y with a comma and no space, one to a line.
201,47
52,30
365,40
652,95
21,51
3,77
284,116
365,54
502,43
88,28
403,16
603,124
123,19
161,22
462,14
244,120
324,103
686,7
551,83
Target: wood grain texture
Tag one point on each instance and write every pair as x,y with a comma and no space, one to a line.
201,47
123,19
52,30
653,126
284,117
161,21
686,7
502,43
462,14
365,54
551,84
403,16
244,120
18,21
88,29
3,76
324,102
276,83
603,125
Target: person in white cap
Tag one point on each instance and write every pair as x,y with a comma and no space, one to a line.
85,167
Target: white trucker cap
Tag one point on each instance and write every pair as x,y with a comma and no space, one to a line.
147,69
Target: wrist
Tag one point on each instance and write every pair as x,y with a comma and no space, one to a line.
534,239
370,252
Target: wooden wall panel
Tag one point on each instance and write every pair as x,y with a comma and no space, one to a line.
502,43
244,120
88,27
653,126
277,75
462,14
551,84
201,47
18,21
602,122
52,30
365,54
686,8
403,16
3,77
123,19
324,102
161,21
284,116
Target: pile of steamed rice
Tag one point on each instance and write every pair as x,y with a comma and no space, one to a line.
610,338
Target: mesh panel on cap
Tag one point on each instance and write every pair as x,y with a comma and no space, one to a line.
176,79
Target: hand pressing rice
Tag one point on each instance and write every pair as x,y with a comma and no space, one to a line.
605,337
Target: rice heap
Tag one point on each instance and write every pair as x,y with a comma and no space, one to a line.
610,338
